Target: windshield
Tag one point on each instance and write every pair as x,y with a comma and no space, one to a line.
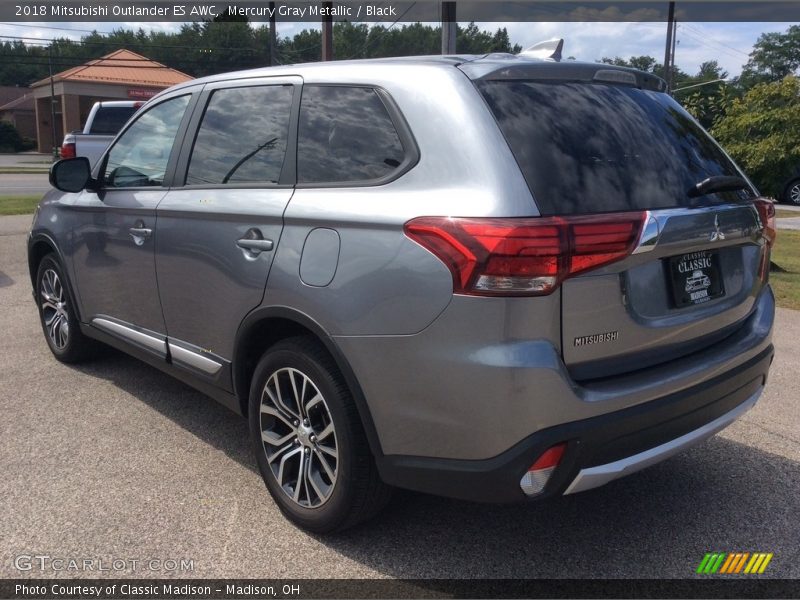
591,148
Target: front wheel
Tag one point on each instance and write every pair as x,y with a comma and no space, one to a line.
791,195
57,314
309,441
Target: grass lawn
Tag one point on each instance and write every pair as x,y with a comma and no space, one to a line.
19,205
788,214
20,170
786,254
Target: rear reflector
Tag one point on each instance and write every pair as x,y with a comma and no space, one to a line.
67,150
538,475
524,256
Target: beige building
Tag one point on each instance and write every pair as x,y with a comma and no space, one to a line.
121,75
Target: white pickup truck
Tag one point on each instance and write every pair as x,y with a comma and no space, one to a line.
104,122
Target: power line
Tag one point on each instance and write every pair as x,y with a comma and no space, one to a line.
712,46
702,33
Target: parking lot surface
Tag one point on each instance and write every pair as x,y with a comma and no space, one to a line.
114,460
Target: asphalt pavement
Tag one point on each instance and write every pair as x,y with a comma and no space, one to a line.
23,184
114,460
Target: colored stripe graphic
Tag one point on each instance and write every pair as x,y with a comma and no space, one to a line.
715,567
730,563
764,564
741,562
732,558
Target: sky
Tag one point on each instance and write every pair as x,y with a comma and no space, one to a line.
727,43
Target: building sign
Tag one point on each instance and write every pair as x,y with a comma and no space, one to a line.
141,94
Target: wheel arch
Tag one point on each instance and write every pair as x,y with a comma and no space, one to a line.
40,245
266,326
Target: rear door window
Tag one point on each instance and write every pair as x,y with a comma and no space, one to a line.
345,135
242,137
592,148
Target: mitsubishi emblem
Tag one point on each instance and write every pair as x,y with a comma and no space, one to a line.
716,235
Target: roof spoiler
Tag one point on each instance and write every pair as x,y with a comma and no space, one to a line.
549,49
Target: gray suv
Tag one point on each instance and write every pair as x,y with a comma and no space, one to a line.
493,278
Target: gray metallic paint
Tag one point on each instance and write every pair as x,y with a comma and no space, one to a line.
443,375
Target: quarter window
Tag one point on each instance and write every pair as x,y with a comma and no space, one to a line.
140,156
243,136
345,135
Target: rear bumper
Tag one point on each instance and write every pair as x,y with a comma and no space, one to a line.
599,449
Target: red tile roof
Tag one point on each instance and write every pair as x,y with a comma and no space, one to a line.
122,67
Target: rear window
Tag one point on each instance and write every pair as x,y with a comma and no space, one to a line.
345,135
591,148
109,120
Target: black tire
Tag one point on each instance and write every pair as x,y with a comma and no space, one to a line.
62,334
791,193
357,492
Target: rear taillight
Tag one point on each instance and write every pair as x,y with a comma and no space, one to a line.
539,473
67,150
766,212
524,256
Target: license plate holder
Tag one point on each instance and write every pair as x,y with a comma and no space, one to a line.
695,278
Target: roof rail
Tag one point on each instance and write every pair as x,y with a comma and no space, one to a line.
549,49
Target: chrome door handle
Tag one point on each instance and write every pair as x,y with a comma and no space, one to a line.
140,234
254,246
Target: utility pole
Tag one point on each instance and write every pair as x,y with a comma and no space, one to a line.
273,44
327,31
52,100
672,57
449,27
668,52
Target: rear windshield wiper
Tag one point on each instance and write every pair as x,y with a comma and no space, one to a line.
718,183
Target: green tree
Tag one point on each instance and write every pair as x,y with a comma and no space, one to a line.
708,102
761,131
775,55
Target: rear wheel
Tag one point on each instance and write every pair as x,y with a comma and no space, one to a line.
309,442
57,314
791,195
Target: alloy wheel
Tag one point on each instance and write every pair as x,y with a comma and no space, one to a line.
794,194
299,438
54,309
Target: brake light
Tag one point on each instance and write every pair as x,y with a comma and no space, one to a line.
539,473
766,213
67,150
524,256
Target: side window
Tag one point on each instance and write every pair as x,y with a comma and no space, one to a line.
345,135
140,156
242,137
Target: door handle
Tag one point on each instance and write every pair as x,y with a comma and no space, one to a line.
254,246
253,243
140,234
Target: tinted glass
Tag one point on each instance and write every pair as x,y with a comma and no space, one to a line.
109,120
242,137
345,135
140,156
587,148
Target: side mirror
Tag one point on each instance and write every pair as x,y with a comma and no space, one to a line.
71,174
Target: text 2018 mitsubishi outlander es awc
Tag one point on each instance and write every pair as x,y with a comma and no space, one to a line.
494,277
